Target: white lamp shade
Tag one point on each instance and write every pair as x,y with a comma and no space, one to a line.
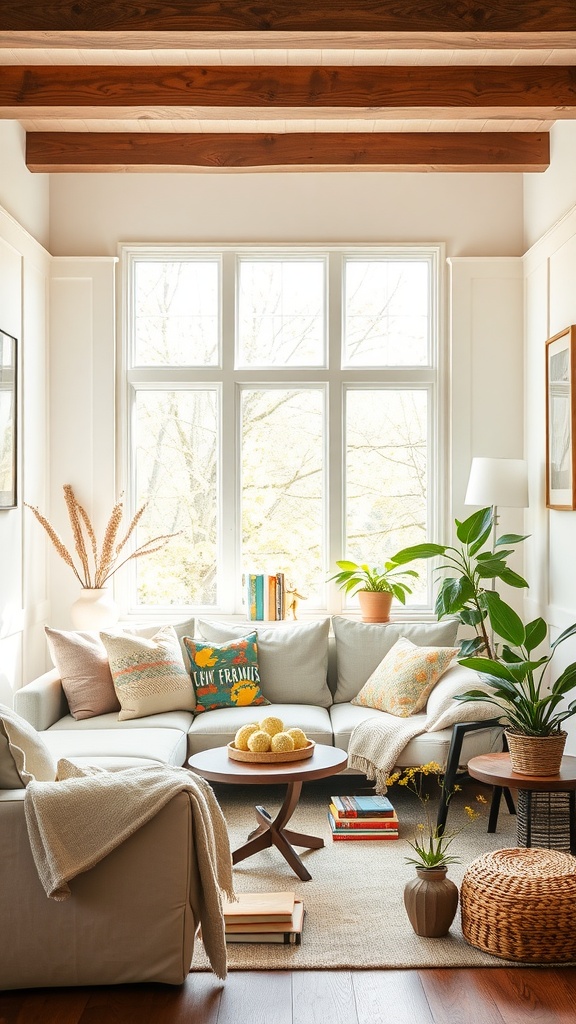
502,482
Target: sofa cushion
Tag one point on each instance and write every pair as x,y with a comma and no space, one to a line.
293,659
360,647
112,748
225,675
405,677
218,730
423,748
24,757
442,711
82,664
149,674
181,720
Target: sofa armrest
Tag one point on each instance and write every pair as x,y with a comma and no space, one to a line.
42,702
129,918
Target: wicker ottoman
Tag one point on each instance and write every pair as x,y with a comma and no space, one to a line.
519,904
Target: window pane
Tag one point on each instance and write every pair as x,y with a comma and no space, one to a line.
176,313
282,486
386,475
386,312
176,443
281,312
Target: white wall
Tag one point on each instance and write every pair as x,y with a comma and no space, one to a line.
22,194
550,305
475,214
24,268
551,195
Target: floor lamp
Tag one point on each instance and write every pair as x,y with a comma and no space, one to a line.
497,482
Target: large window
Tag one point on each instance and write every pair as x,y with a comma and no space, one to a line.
281,409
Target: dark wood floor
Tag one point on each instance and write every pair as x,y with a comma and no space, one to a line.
464,996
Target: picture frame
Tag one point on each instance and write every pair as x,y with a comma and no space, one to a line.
561,420
8,420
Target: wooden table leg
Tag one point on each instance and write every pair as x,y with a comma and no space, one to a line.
271,832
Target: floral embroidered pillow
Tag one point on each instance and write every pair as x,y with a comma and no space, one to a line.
405,678
225,675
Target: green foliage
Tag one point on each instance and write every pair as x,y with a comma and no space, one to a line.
465,571
388,579
519,683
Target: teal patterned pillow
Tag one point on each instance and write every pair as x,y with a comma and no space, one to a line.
225,675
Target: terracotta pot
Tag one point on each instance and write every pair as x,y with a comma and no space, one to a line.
536,755
375,605
431,901
94,608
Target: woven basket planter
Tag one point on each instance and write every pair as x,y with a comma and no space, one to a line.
519,905
536,755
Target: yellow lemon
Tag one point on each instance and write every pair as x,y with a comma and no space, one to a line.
259,741
272,725
241,737
281,742
300,738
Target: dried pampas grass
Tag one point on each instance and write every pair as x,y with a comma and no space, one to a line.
97,566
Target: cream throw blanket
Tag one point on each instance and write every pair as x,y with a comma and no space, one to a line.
75,822
376,744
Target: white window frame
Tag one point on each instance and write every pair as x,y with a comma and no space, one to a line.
335,378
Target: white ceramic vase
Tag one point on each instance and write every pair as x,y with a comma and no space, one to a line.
94,608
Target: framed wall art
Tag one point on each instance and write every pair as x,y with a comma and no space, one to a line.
8,420
561,420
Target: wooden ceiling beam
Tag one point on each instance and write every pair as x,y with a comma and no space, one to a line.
267,16
463,90
439,151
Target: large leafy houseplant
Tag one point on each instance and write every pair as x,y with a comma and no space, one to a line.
470,571
519,681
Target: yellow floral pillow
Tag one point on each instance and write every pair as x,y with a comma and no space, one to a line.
404,679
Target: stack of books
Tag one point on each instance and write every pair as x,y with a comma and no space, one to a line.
362,817
264,917
265,596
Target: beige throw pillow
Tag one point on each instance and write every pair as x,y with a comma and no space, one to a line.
443,711
82,664
405,677
24,757
149,674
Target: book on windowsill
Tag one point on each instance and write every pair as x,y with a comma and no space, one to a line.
283,932
363,806
260,907
347,824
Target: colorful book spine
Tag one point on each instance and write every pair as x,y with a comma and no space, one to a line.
347,807
342,824
271,593
251,596
351,836
259,597
280,596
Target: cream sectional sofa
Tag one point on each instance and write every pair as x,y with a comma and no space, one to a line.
309,677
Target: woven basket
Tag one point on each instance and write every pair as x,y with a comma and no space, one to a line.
545,818
519,905
536,755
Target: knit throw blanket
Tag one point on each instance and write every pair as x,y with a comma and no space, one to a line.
75,822
375,746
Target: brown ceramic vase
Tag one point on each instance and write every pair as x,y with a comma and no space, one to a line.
431,901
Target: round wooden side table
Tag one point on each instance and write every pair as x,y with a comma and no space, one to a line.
496,770
215,766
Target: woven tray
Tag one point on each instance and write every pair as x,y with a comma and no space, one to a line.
268,757
519,904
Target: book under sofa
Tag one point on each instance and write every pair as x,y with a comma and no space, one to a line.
308,677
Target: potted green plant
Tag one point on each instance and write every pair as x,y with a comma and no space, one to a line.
470,571
531,707
375,587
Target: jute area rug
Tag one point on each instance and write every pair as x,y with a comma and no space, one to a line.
355,916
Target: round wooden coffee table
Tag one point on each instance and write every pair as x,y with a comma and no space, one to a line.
215,766
496,770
